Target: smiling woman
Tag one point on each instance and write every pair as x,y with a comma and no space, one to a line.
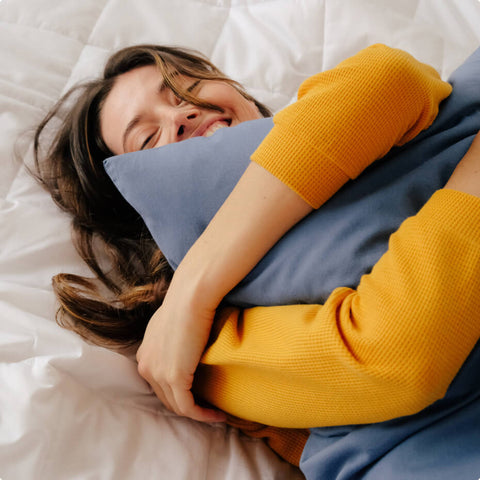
148,96
141,111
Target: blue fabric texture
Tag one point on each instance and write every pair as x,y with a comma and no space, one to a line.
178,188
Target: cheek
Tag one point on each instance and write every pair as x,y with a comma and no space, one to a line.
246,110
253,111
228,98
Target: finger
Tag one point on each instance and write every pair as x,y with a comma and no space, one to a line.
156,386
160,393
188,408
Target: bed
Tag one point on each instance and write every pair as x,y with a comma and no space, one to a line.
71,410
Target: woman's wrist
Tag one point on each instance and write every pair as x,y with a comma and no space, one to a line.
193,283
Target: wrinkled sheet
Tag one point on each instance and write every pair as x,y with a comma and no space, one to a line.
69,410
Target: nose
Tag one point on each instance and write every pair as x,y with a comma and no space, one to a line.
184,121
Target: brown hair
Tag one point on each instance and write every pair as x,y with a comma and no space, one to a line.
131,274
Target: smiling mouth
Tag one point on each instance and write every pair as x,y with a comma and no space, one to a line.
216,126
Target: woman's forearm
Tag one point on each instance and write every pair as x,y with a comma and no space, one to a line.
254,217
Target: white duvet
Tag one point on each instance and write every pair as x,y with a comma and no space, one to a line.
69,410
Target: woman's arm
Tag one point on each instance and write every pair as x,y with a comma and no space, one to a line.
388,349
319,146
257,213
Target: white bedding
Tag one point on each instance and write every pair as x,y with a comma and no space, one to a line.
69,410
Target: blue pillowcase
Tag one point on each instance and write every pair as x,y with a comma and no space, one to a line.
178,188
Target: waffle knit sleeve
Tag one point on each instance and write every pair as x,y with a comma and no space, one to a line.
347,117
387,349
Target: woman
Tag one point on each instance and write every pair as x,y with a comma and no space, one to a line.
185,317
103,222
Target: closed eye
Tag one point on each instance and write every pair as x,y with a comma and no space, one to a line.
147,141
179,100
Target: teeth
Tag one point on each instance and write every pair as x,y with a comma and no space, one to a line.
216,126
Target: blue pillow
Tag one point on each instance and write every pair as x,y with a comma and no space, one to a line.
178,188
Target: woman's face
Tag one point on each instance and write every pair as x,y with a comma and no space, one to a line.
140,112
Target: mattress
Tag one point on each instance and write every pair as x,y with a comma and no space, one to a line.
71,410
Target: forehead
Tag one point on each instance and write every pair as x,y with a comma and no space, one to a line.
129,94
130,85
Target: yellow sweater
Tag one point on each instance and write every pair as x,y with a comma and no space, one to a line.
393,346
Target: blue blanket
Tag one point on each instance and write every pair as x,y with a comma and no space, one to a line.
178,188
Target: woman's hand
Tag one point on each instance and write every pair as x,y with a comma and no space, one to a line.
256,214
170,352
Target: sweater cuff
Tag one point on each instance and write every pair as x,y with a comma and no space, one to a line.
288,443
315,181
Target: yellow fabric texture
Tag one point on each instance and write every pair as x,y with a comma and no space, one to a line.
387,349
383,350
347,117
